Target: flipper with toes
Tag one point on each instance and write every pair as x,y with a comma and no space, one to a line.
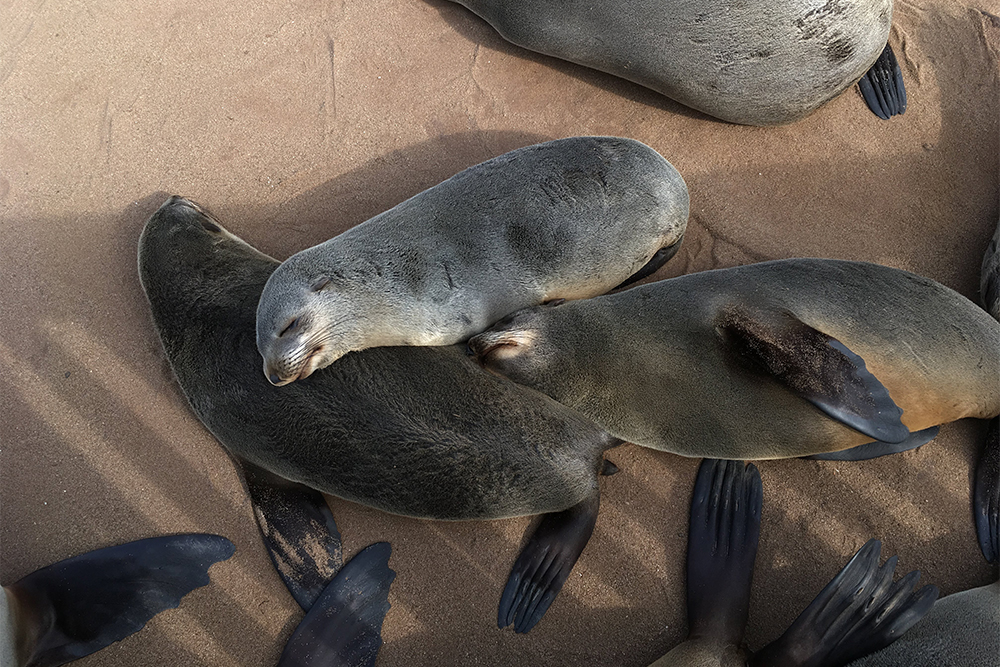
882,86
543,566
986,498
860,611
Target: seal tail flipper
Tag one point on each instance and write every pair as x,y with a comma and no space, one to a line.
859,612
722,548
882,86
986,499
298,530
989,277
817,367
543,566
90,601
871,450
344,626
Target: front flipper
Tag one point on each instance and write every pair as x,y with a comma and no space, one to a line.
344,626
986,499
859,612
298,530
817,367
545,563
659,258
882,86
722,547
82,604
872,450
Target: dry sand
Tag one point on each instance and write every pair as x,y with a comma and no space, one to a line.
295,121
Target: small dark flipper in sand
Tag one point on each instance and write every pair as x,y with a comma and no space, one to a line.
545,563
986,499
661,257
882,86
85,603
859,612
872,450
722,547
344,626
817,367
298,530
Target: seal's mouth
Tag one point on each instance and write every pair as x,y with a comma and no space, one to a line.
309,365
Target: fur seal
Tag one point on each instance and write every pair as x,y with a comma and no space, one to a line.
760,62
718,363
565,219
861,610
418,431
82,604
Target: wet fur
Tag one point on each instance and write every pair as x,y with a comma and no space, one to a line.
649,364
417,431
761,62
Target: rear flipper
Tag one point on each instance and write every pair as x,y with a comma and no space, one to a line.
344,626
543,566
882,86
82,604
872,450
722,547
986,499
298,530
859,612
661,257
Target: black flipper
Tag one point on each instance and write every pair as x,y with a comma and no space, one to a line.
90,601
871,450
986,499
344,627
722,547
817,367
861,611
661,257
882,86
298,530
545,563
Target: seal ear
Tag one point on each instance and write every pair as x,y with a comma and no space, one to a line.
87,602
817,367
344,627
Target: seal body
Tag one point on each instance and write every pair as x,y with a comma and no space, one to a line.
759,62
422,432
566,219
655,364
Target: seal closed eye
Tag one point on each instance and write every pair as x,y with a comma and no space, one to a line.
567,219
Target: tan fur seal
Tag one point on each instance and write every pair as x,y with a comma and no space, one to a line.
418,431
82,604
861,610
566,219
779,359
758,62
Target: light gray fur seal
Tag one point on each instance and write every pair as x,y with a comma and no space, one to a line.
861,610
418,431
758,62
565,219
779,359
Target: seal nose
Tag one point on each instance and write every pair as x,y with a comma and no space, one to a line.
272,376
274,379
